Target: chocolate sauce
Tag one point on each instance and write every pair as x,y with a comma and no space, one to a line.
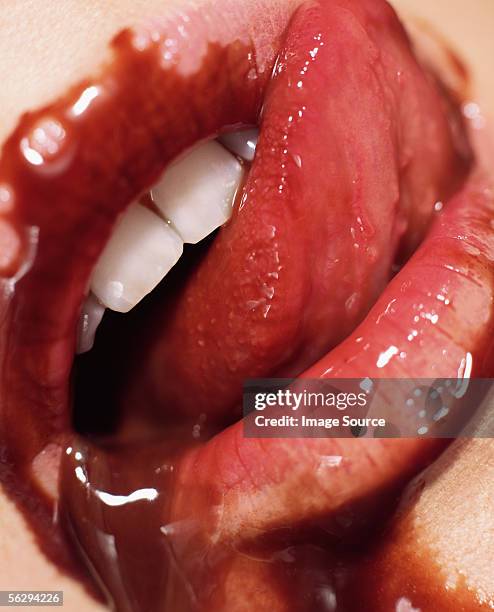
144,533
116,502
67,171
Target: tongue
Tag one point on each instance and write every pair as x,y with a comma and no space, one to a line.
356,148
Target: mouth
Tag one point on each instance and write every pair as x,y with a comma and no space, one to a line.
356,242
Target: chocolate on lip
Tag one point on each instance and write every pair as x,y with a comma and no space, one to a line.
39,354
73,166
62,185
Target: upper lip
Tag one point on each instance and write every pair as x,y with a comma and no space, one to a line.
71,183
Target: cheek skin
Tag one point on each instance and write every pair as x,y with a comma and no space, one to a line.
467,30
23,567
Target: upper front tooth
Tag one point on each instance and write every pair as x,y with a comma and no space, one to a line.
141,251
197,192
243,143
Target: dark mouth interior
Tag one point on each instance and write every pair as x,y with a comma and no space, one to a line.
121,341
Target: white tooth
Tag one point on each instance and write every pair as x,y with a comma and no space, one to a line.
197,192
91,314
141,251
243,143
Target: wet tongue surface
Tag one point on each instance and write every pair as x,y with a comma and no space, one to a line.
356,148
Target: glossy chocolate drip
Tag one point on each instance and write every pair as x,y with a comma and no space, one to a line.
115,503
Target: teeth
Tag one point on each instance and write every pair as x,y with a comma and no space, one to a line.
91,315
195,196
197,193
141,251
242,143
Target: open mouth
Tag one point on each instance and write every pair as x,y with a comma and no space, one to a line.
341,228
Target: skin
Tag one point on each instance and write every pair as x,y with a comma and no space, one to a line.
444,523
44,50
